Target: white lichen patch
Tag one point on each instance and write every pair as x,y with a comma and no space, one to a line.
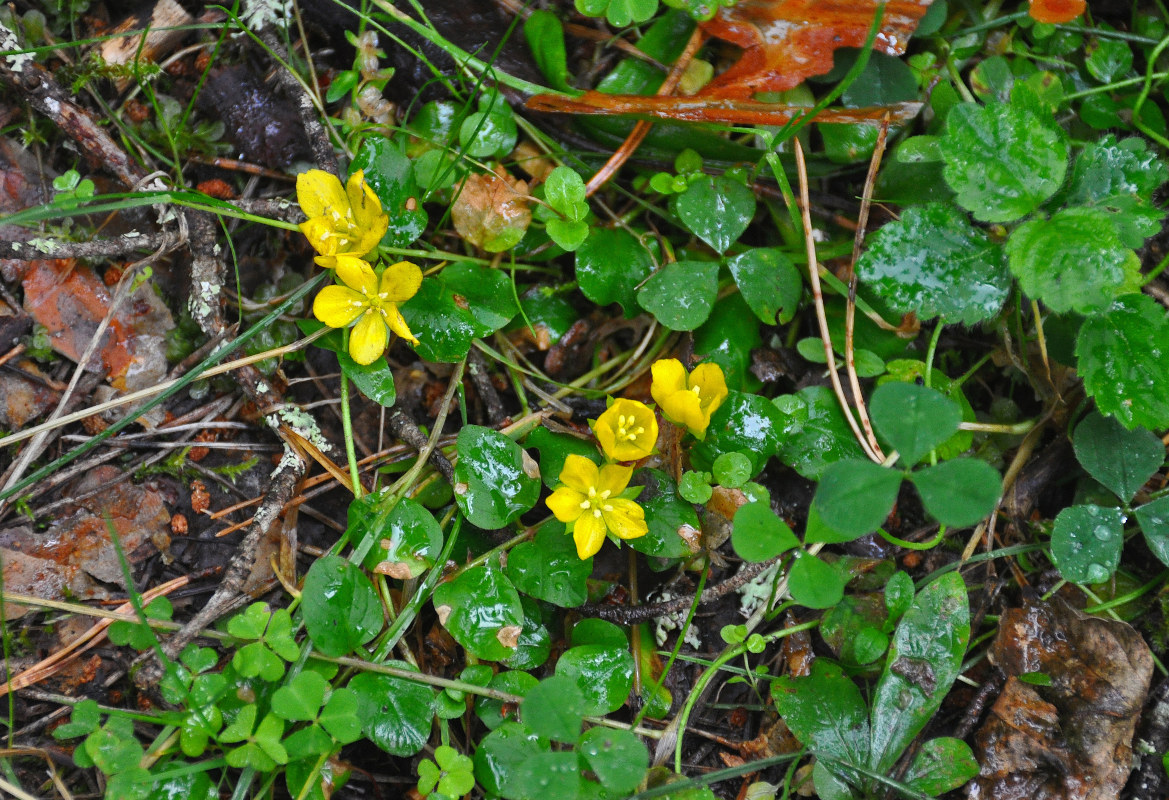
259,14
664,625
8,43
755,592
290,460
46,246
303,423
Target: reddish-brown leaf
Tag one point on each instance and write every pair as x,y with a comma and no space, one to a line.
787,41
783,43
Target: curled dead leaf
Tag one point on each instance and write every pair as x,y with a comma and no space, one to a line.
491,212
444,613
1073,738
509,635
394,570
531,468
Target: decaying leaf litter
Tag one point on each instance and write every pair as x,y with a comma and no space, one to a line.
913,550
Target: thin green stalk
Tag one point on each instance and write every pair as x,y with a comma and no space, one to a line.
347,427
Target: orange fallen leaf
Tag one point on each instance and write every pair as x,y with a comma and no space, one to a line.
1056,11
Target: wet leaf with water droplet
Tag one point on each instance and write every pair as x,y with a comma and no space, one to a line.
1086,542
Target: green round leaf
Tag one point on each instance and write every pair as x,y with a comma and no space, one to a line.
666,516
535,642
549,569
769,282
609,267
814,584
1107,59
959,492
848,144
391,176
731,470
488,134
1073,261
548,773
681,295
553,708
616,757
408,538
341,717
341,608
1086,541
940,766
486,293
1002,160
716,209
482,610
854,496
396,714
1154,521
555,448
913,419
500,755
759,534
602,672
934,263
1121,459
1121,357
908,370
494,712
727,339
820,434
493,484
444,329
744,423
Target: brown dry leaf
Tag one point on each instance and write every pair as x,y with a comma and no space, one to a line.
68,299
21,398
1073,739
491,212
75,557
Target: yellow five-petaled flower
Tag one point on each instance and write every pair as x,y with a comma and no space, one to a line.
589,501
688,400
373,303
627,431
342,220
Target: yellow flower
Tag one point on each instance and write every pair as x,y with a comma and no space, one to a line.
342,220
589,499
627,431
372,303
688,399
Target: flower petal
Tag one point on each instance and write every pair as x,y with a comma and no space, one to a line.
400,281
337,306
669,376
613,478
579,473
712,386
684,408
589,535
629,441
626,519
367,340
357,274
565,503
397,322
322,236
318,191
362,199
